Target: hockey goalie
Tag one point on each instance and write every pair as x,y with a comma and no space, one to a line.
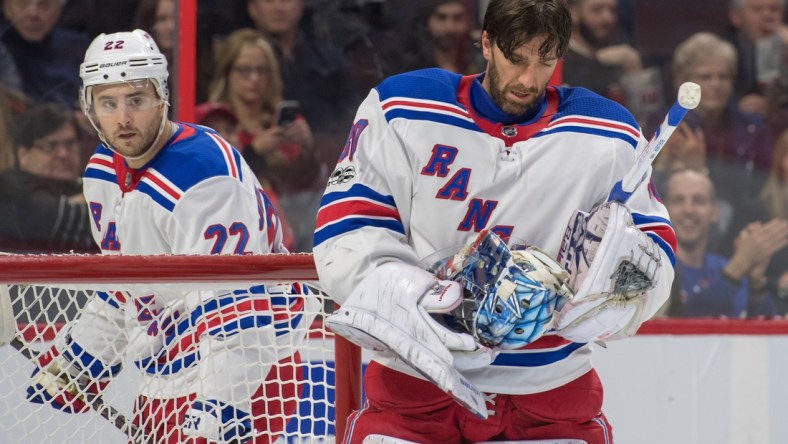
217,366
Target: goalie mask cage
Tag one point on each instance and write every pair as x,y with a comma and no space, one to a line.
47,293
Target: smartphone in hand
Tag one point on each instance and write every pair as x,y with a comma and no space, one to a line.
286,112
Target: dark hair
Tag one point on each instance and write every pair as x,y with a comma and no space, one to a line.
40,121
512,23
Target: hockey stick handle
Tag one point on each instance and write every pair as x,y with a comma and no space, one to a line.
688,98
96,403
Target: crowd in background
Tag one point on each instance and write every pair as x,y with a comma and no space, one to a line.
281,79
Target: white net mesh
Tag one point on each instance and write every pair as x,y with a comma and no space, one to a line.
240,366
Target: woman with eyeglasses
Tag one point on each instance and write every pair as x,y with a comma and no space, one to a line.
274,137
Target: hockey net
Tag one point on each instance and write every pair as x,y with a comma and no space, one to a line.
49,295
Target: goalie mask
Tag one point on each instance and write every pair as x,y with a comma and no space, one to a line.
510,295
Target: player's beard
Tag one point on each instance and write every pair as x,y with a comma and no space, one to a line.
499,92
142,140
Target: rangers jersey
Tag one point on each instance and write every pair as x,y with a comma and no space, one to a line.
431,160
196,196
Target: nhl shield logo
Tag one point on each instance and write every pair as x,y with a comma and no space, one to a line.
509,131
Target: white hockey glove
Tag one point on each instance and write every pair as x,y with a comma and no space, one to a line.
64,380
217,421
510,296
613,265
389,311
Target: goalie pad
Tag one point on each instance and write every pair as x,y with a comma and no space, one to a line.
384,313
613,266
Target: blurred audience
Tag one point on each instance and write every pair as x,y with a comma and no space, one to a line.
222,119
281,154
735,145
157,17
601,59
47,57
441,37
761,39
772,205
96,16
7,159
41,200
315,73
9,74
709,284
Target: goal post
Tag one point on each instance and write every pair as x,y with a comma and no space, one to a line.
48,292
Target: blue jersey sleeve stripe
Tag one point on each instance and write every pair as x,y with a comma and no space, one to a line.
156,196
536,359
664,246
357,190
353,224
642,219
95,173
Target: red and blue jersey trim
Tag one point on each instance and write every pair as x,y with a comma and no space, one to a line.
100,166
660,231
595,126
358,207
224,316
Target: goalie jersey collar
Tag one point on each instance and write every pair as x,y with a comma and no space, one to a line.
467,92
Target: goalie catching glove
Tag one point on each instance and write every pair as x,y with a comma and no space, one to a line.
614,269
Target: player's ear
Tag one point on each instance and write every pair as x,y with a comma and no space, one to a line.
486,46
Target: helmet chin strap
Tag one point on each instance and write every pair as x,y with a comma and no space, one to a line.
162,125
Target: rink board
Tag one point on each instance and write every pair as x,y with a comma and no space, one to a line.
686,388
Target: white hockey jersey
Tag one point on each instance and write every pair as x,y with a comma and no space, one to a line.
429,163
196,196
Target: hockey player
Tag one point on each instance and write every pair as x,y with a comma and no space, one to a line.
434,158
216,365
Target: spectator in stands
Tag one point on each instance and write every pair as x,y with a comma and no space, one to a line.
600,59
9,74
711,285
47,57
6,141
221,118
158,18
41,201
737,145
247,81
93,17
441,37
315,73
774,204
761,40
